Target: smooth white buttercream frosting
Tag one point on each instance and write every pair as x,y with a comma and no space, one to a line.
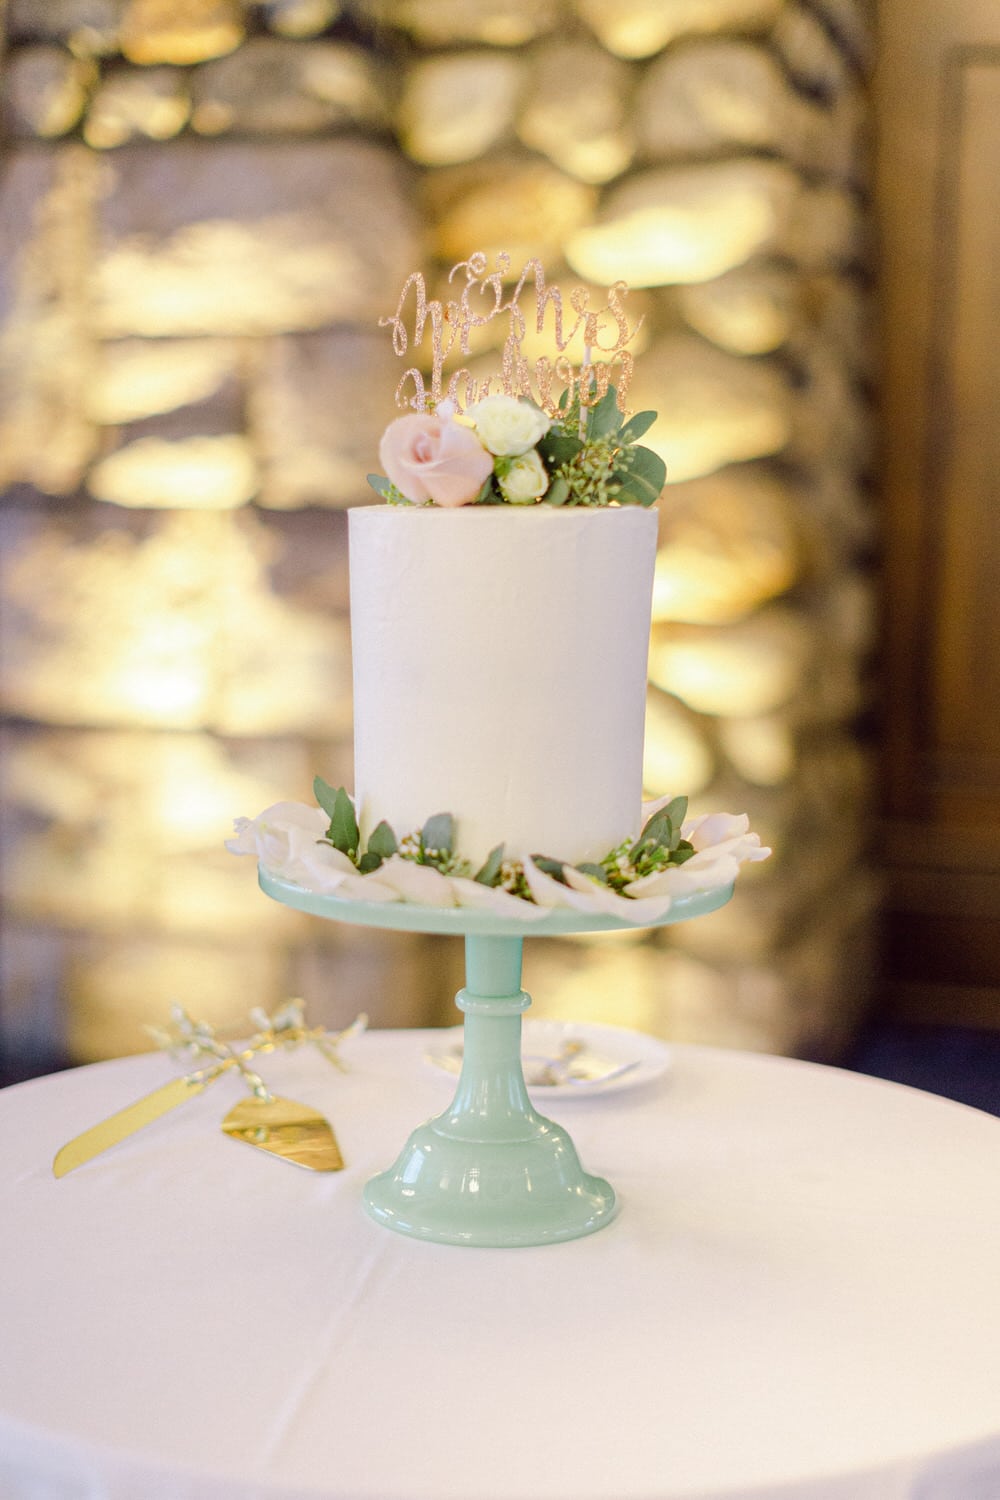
500,672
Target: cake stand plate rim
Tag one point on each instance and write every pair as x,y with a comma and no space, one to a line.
464,921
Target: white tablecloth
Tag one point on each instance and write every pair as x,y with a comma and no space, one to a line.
800,1298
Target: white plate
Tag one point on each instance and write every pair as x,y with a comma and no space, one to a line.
612,1057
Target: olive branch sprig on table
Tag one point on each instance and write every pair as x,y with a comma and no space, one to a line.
283,1030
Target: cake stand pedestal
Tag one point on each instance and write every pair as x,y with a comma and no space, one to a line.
490,1170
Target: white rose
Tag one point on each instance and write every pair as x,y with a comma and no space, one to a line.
523,480
507,426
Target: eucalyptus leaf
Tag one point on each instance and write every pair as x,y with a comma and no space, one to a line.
604,418
663,829
343,832
675,810
598,872
659,832
638,492
647,473
553,867
683,853
325,794
369,861
558,448
382,842
489,874
439,833
636,425
383,487
557,492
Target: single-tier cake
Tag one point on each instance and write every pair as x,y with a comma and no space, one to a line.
500,672
500,610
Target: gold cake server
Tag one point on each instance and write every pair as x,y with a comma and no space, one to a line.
287,1129
282,1127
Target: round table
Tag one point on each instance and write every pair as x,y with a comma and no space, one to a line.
799,1299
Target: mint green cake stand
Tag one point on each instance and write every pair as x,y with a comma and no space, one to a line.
490,1170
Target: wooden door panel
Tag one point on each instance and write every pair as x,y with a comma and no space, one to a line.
938,118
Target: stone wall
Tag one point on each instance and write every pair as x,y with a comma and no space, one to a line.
204,209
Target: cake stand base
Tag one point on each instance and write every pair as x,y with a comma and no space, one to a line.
490,1170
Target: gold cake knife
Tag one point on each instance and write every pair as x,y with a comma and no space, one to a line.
119,1126
281,1127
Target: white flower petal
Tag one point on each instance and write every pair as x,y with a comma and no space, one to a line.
421,884
545,889
687,879
287,839
473,894
367,888
601,898
245,841
277,822
714,828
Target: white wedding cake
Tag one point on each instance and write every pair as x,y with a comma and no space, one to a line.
500,612
500,672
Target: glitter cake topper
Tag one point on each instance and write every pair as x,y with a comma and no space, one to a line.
451,323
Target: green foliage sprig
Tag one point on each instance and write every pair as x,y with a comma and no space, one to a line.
606,465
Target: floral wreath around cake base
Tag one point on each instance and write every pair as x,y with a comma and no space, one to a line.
319,849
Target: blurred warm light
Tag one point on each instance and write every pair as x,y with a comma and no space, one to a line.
445,22
181,629
211,267
762,751
597,159
588,980
172,695
198,473
456,106
524,207
212,117
151,104
729,542
127,829
302,18
136,379
46,89
710,576
750,310
180,31
690,586
341,75
577,113
714,408
690,224
742,670
273,86
133,985
640,28
676,754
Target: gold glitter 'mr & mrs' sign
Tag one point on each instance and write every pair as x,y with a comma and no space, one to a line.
605,331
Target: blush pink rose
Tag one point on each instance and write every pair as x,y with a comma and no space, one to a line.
429,457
